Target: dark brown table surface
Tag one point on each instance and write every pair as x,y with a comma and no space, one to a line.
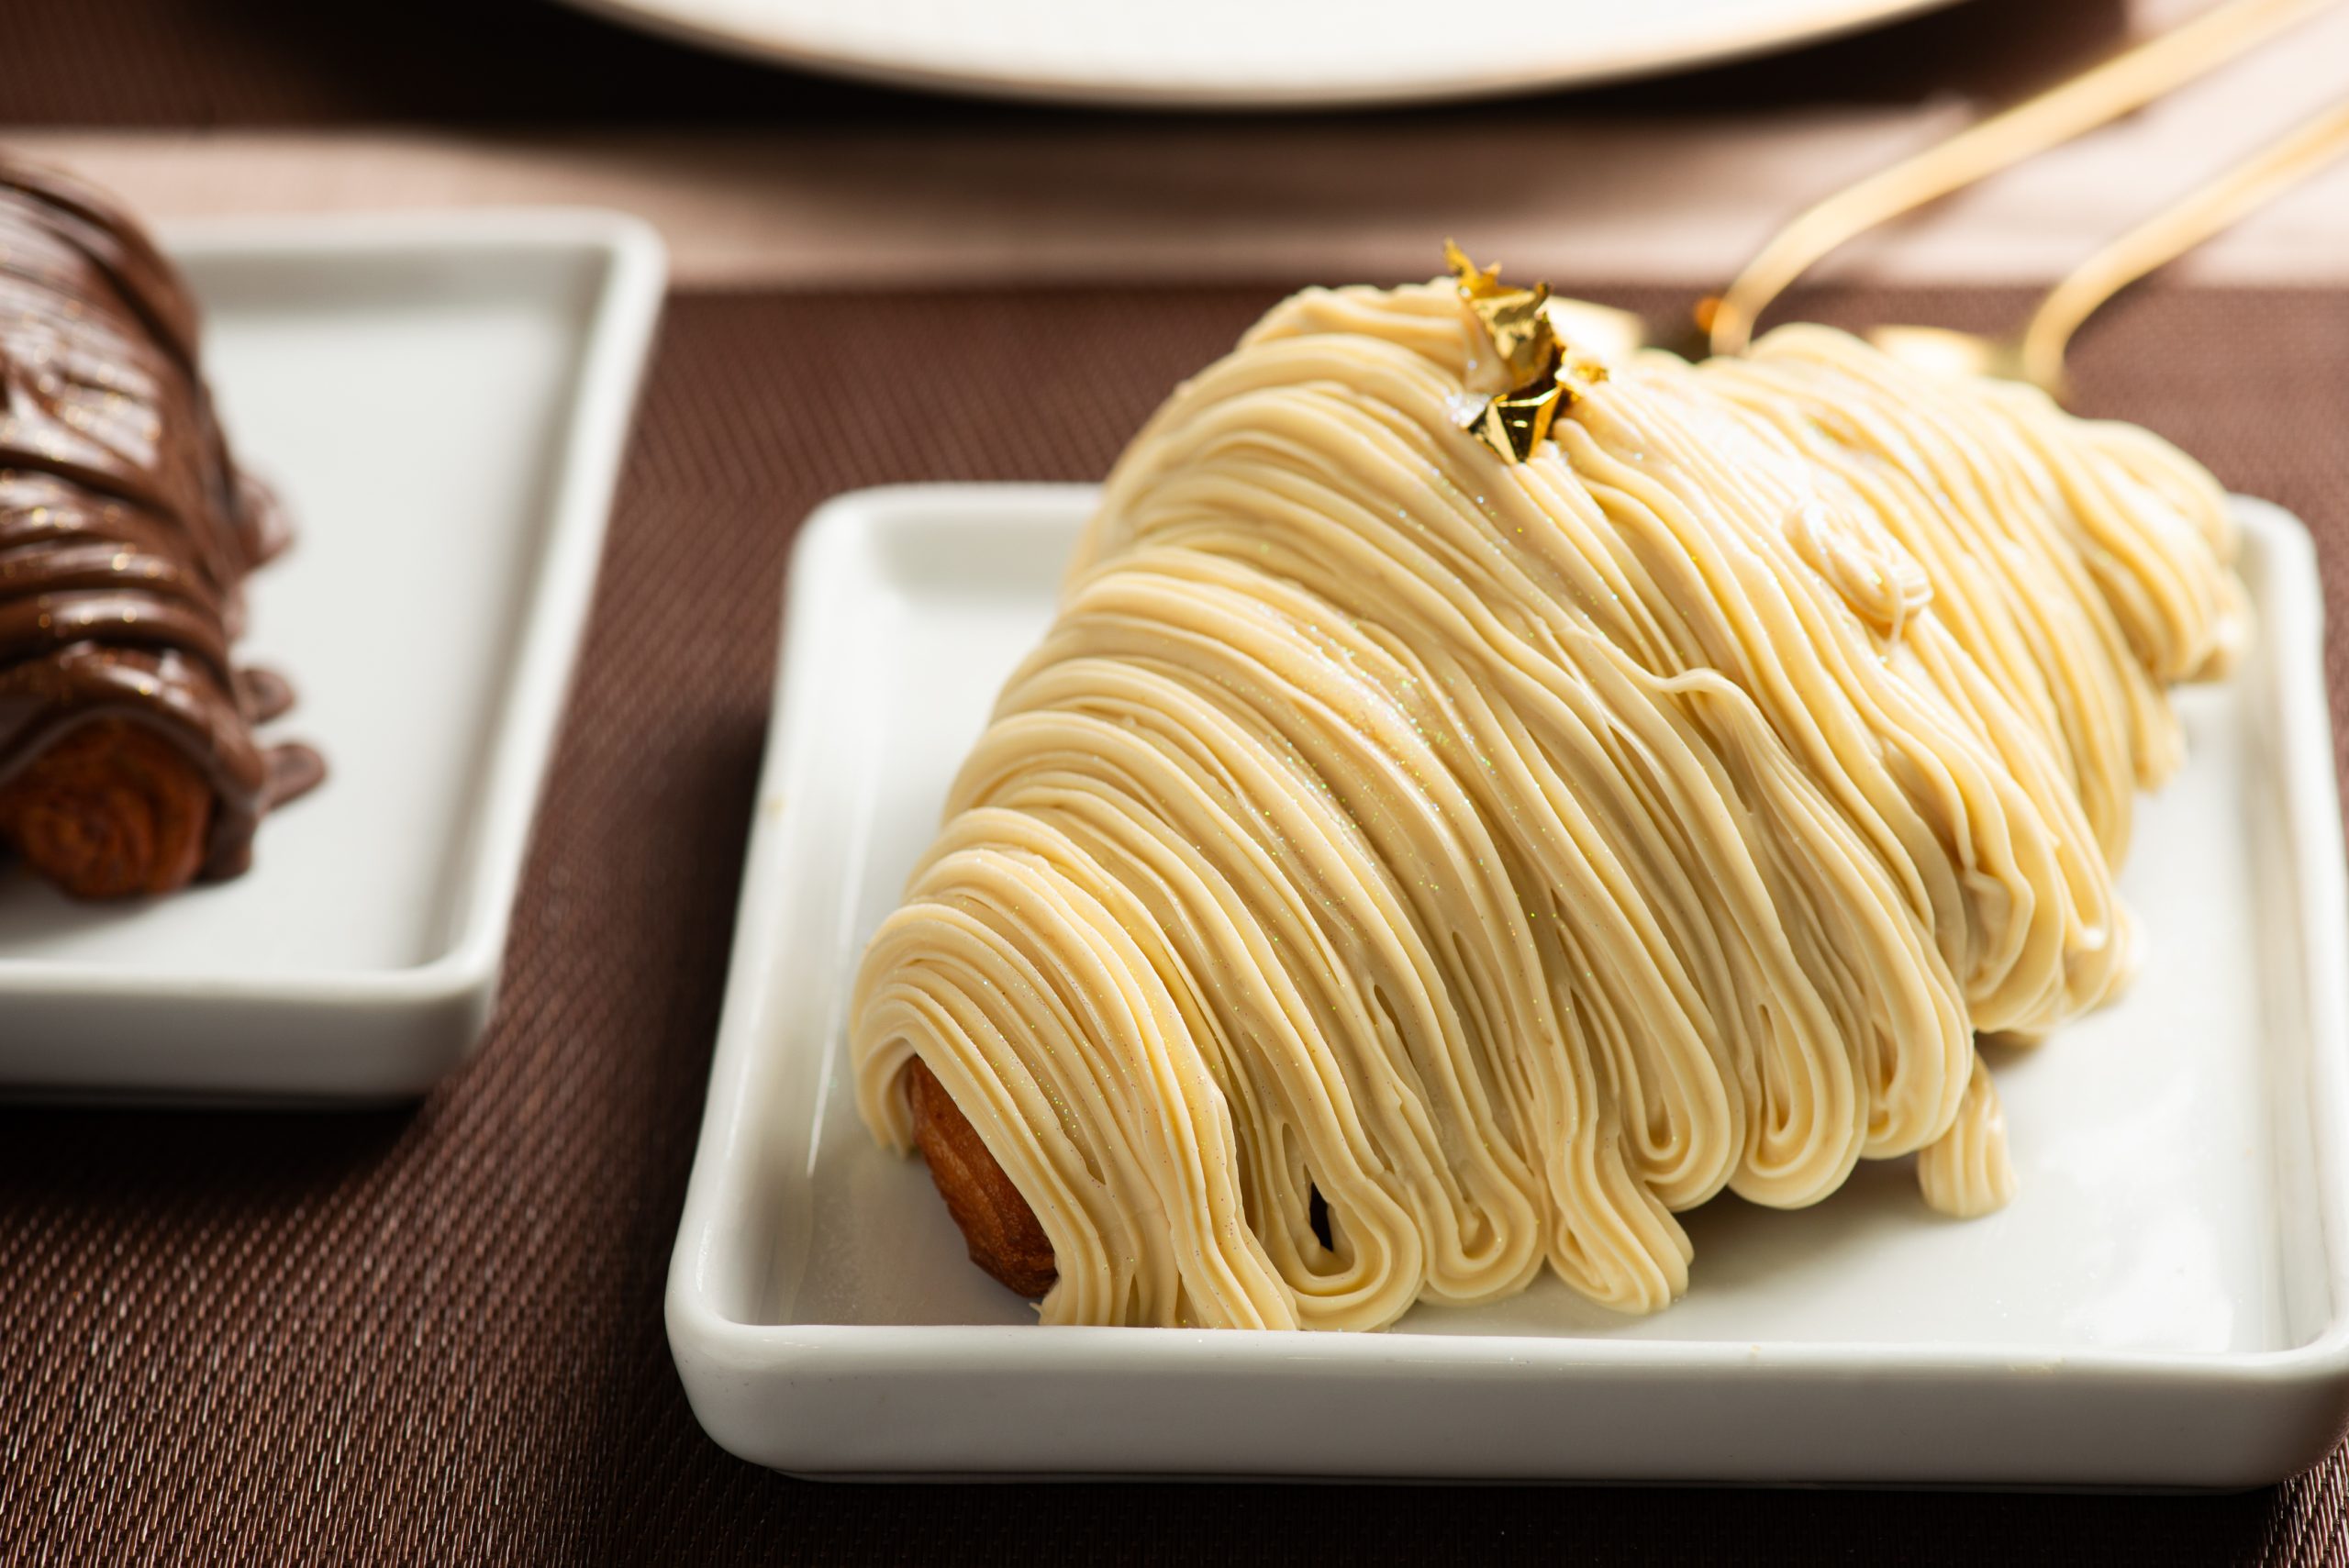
433,1333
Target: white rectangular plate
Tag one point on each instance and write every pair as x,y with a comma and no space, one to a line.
442,401
2165,1303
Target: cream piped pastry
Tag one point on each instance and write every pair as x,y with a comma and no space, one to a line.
1474,807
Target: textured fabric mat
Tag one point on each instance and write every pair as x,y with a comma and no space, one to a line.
434,1334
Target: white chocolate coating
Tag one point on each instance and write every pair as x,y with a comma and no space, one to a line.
1520,854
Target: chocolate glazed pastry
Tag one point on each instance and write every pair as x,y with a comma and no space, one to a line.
127,761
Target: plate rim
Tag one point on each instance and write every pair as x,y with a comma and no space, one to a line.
1818,21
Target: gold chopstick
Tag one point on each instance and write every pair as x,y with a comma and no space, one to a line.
2209,209
2095,97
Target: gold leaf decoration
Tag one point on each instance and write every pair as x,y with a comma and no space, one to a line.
1526,358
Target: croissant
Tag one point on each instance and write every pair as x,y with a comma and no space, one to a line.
1474,807
127,761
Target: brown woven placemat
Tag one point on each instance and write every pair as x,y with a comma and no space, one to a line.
434,1335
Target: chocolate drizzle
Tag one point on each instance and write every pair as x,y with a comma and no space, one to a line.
126,529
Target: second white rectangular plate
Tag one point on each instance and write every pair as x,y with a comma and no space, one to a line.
442,400
2163,1306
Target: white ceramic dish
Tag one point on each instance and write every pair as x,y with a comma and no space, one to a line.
443,402
1240,54
2165,1305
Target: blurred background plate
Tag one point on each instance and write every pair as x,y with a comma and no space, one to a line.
1240,54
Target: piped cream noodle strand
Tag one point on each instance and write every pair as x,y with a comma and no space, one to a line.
1515,856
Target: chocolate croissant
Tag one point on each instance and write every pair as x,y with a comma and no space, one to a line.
127,760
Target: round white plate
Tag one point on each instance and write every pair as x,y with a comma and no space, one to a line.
1246,53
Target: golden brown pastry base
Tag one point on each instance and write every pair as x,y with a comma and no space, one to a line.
111,811
998,1224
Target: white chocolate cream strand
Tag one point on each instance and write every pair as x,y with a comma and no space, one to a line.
1516,856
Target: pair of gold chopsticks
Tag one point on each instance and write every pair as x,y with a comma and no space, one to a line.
2095,98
